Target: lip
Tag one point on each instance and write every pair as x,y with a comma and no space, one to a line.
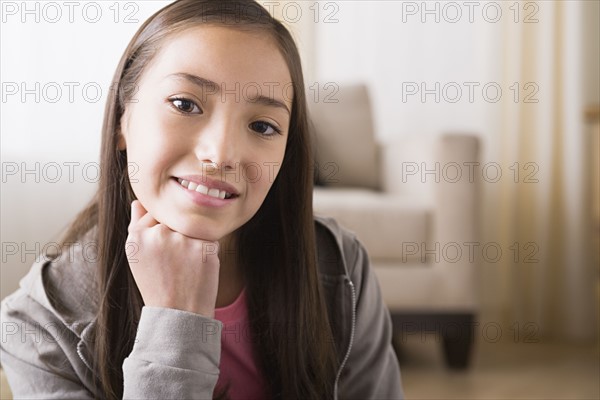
204,199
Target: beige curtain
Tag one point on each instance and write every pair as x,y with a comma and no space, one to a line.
547,278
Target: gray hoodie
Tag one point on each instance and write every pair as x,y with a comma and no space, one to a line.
48,326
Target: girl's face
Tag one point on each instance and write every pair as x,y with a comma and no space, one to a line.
179,122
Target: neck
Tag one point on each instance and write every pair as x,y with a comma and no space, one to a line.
230,279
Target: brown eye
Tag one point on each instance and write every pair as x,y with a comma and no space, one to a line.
185,106
264,128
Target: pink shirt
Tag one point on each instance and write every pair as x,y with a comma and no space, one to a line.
238,366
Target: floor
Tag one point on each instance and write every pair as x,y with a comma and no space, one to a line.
541,371
503,370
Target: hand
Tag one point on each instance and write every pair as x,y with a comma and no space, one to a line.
170,269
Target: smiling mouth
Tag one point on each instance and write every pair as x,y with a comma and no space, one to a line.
196,187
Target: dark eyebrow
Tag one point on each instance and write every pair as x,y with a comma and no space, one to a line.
203,83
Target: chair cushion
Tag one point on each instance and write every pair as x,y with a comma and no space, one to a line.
343,140
384,223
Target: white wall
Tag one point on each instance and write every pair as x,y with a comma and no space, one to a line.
53,55
385,45
43,130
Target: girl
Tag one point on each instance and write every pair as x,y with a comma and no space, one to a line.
211,277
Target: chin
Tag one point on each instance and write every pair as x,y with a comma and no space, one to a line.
203,233
204,230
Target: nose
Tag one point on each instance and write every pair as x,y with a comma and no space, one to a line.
218,143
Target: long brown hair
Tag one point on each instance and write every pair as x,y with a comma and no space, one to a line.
276,248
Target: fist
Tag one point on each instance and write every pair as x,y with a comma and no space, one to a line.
170,269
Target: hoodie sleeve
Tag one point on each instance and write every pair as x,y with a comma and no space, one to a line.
36,353
176,354
372,370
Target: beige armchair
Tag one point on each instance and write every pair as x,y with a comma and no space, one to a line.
413,203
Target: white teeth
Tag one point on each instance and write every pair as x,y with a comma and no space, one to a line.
202,189
220,194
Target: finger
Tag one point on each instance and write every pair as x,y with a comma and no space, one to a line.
143,218
147,221
137,212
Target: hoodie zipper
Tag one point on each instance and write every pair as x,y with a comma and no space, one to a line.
337,378
80,346
83,358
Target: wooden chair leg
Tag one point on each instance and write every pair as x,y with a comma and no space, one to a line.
456,331
457,344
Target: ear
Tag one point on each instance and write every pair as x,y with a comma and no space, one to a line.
121,144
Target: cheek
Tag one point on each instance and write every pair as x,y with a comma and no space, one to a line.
154,140
259,175
268,173
264,172
149,156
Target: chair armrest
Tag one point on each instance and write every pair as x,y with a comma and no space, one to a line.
439,171
456,194
456,221
401,162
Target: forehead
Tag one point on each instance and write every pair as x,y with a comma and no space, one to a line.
224,55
